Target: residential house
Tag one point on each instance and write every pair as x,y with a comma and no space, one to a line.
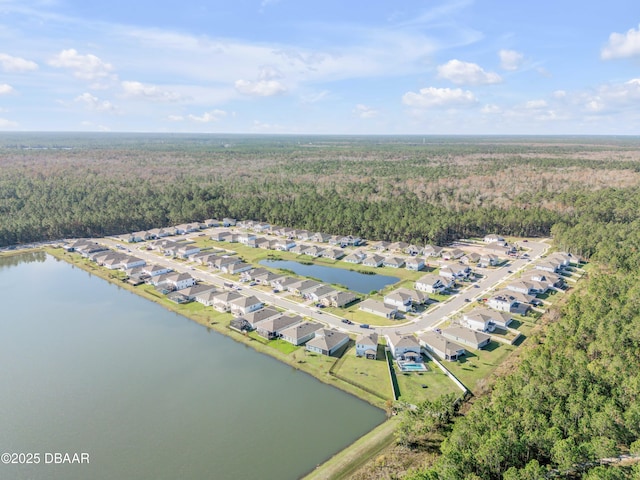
223,236
488,260
284,283
523,287
380,246
398,246
247,238
493,238
469,258
444,348
273,327
314,251
373,261
320,237
244,305
320,292
517,297
454,271
400,345
299,248
180,280
432,251
378,308
207,298
262,315
284,245
414,263
339,299
132,262
300,333
404,299
198,289
453,254
236,267
485,319
350,241
327,342
431,283
224,261
153,270
464,336
333,253
240,325
355,257
367,345
393,262
303,235
502,303
186,250
211,222
303,287
222,301
261,227
548,266
228,222
413,250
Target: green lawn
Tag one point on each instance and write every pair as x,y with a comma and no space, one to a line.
479,364
437,383
371,374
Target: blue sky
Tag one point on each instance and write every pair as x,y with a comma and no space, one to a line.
335,67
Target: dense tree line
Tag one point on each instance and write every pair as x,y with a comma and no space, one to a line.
575,396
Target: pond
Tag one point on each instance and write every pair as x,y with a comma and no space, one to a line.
356,281
88,367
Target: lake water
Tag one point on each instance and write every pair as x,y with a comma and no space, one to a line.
148,394
356,281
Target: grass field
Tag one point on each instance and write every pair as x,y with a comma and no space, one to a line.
479,364
437,383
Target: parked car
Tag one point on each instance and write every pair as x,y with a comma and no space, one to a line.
364,325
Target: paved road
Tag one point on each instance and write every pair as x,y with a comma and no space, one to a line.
429,320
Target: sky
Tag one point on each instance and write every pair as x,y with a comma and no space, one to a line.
321,67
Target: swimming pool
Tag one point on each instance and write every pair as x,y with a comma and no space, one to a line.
412,367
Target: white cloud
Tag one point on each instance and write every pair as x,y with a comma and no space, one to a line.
175,118
208,117
560,94
148,92
94,103
363,111
622,45
16,64
491,108
314,97
84,67
6,89
4,123
510,59
465,73
261,88
439,97
613,97
535,104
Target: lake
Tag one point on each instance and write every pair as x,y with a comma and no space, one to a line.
90,367
356,281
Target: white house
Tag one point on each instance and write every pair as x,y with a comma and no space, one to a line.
502,303
443,347
367,345
414,263
245,305
180,280
300,333
400,345
373,261
378,308
432,284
